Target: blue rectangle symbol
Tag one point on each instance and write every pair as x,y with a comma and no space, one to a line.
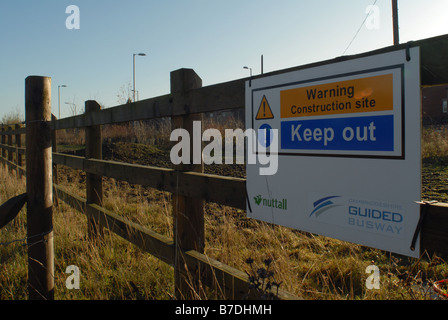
371,133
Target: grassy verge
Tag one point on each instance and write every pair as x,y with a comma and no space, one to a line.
310,266
307,265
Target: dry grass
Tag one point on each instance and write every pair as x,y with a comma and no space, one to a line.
435,143
307,265
110,269
13,257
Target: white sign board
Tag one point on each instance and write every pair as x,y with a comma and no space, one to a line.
348,138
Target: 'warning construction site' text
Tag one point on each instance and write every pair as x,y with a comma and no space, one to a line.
350,96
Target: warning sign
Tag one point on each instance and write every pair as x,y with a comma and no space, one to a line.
346,137
264,111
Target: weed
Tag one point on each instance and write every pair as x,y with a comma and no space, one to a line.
262,280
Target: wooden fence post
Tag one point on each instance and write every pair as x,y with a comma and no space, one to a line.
188,213
19,157
94,183
10,152
39,188
3,143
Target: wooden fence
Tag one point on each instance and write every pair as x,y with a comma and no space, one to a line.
188,184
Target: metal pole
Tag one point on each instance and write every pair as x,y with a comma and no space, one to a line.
262,64
133,73
133,56
59,102
59,99
395,21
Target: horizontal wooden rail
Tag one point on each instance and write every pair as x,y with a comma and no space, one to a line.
74,201
13,166
159,246
219,97
14,132
222,190
232,282
13,149
434,233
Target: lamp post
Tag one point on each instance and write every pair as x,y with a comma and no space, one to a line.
133,57
250,69
250,79
395,22
59,99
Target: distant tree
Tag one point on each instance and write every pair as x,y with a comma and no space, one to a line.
124,95
73,107
13,117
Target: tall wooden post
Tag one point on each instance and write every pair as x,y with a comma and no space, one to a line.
188,212
94,183
39,188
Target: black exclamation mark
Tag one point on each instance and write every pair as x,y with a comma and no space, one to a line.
264,108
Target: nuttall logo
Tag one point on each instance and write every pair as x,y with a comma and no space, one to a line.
281,204
324,204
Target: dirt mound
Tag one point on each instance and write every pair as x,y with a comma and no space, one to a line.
149,155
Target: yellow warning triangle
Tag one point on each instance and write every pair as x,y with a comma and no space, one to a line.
264,111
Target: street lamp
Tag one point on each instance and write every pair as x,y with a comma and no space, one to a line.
59,99
245,67
250,79
133,57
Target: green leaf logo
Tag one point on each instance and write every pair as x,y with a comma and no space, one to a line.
258,200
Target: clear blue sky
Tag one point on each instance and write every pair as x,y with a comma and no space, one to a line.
214,37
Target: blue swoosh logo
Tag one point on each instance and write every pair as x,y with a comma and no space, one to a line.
324,204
